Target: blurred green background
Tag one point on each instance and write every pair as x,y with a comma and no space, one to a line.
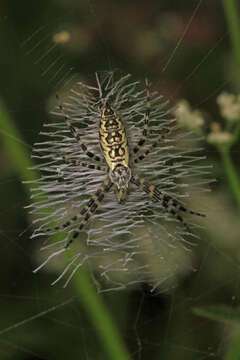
41,322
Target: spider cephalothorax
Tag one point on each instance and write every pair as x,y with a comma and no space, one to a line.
120,176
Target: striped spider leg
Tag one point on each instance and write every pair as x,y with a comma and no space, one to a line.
142,140
147,152
145,132
76,162
170,205
76,134
89,209
86,212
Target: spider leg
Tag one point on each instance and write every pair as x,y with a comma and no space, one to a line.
171,205
153,146
142,140
87,211
147,152
82,163
90,209
76,135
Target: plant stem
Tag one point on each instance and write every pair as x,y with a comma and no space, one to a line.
231,173
234,346
232,16
97,311
17,148
101,318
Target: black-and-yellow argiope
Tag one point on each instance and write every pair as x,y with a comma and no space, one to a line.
114,145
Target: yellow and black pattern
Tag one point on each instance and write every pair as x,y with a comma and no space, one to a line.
113,139
76,162
169,204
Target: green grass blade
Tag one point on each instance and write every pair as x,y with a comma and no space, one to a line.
106,330
18,150
221,313
232,13
231,173
234,348
229,316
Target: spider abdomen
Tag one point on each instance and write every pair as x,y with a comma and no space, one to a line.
113,139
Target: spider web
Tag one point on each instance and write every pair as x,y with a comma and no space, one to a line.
158,324
115,243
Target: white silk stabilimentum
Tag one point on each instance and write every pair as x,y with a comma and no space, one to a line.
122,244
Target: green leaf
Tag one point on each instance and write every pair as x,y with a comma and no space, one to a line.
231,9
220,313
18,150
233,352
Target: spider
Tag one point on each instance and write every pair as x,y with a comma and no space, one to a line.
116,152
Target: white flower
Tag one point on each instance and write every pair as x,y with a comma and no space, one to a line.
188,118
229,106
62,37
220,138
